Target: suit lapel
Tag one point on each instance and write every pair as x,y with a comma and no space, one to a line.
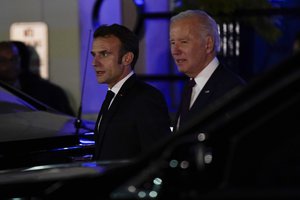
120,96
114,106
204,97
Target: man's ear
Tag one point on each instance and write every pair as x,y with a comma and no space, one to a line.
209,44
127,58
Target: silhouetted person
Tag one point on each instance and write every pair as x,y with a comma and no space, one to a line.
10,68
14,70
34,61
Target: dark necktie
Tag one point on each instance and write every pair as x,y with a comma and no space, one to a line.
109,96
185,105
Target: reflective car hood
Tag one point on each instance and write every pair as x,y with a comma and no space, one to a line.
33,125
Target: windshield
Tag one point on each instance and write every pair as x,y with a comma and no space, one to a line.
11,103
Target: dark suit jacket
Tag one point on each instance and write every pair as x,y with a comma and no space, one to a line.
137,118
221,81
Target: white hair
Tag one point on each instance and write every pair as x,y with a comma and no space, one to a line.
208,25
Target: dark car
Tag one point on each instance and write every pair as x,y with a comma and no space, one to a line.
31,133
250,150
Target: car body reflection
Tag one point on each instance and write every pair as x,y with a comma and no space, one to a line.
33,133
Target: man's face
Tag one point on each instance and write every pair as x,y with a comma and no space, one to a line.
188,48
108,67
9,65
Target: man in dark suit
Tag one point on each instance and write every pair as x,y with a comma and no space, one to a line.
195,41
138,116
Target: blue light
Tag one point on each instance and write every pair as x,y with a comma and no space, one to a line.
86,141
139,2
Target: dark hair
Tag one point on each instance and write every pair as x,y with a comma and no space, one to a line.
129,41
24,55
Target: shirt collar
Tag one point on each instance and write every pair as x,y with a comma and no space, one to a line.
208,70
119,84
